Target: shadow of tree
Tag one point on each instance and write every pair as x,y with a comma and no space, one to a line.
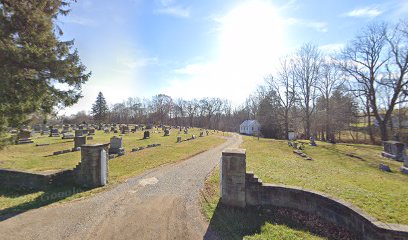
46,197
236,223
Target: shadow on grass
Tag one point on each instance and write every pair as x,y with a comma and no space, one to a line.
236,223
46,197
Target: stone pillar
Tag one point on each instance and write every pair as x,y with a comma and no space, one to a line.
233,169
94,166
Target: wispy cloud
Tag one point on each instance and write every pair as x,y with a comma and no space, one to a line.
316,25
364,12
176,11
80,21
169,7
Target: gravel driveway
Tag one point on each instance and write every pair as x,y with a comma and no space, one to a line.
159,204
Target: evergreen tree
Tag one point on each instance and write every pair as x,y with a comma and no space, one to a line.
34,61
99,108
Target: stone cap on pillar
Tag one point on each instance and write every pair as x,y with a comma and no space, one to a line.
233,151
95,145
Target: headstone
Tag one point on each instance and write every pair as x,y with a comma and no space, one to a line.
24,136
146,135
65,129
291,135
193,136
185,131
312,142
201,134
394,150
384,167
106,130
78,142
166,132
124,129
79,133
91,131
68,135
116,146
178,139
54,132
37,128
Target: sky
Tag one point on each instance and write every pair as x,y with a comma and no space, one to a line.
212,48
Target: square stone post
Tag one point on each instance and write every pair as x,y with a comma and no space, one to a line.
94,165
233,169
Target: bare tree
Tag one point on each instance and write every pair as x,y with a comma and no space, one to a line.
306,67
377,60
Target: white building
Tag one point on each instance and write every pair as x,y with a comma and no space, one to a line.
250,127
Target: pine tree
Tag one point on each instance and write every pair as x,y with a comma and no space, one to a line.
33,60
99,109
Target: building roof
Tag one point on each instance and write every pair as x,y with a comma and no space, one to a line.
249,122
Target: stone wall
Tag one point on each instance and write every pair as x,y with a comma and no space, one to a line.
24,179
328,208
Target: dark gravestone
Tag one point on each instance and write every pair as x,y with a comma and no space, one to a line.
179,139
116,146
68,135
24,136
78,142
394,150
146,135
166,132
54,132
79,133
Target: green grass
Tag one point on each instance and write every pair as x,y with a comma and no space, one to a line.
354,179
250,223
32,158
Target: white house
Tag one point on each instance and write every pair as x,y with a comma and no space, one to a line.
250,127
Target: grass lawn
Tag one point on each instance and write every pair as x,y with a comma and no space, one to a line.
355,179
32,158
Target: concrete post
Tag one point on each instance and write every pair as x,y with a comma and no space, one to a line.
94,165
233,169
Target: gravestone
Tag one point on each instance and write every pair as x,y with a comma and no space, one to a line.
24,136
54,132
178,139
94,168
91,131
312,142
124,129
193,136
78,142
79,133
37,128
68,135
394,150
291,135
116,146
185,131
65,129
166,132
106,130
146,135
201,134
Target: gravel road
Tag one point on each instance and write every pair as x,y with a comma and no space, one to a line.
159,204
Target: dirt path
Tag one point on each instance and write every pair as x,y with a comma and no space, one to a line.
159,204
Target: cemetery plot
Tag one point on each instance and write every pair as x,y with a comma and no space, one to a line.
348,171
157,150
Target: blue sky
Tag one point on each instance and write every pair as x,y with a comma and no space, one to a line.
213,48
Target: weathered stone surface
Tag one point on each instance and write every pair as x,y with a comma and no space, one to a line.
394,150
146,135
24,136
116,146
233,167
79,141
68,135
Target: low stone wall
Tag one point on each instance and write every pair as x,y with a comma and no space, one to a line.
23,179
326,207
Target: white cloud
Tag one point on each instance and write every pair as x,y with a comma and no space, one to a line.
176,11
169,7
316,25
80,21
369,12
